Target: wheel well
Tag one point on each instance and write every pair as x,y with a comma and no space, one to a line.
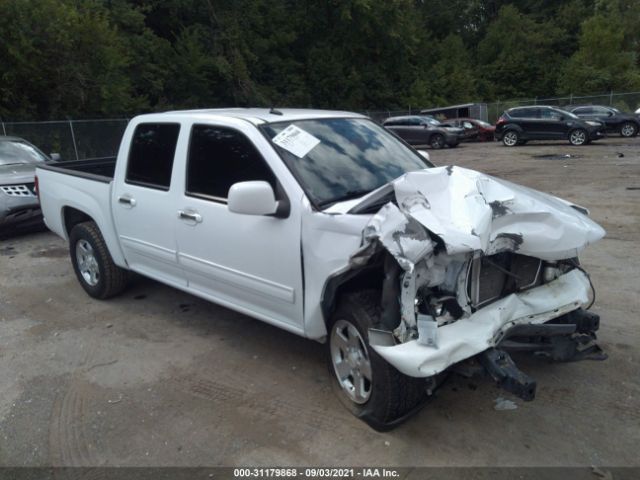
367,277
72,217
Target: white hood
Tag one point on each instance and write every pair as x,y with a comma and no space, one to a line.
473,212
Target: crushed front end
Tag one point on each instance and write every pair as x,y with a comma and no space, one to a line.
476,267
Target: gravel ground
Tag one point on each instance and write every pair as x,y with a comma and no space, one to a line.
157,377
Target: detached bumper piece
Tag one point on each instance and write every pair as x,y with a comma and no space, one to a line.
569,338
498,364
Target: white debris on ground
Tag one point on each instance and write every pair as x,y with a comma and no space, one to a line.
504,404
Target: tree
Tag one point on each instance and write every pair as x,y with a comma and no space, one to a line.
518,56
604,61
61,58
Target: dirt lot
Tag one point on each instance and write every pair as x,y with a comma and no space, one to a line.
158,377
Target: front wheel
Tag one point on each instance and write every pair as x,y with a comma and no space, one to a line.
628,129
510,138
437,141
578,137
365,383
92,262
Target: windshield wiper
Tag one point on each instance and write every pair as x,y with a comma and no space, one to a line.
348,195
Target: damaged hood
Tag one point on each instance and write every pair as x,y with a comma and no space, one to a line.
470,211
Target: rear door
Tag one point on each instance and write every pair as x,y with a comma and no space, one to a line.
248,262
143,203
411,130
529,120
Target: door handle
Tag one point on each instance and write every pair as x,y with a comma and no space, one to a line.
189,215
127,200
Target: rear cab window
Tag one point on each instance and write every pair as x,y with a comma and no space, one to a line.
153,148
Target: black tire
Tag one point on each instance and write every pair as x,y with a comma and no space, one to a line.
393,396
110,279
510,138
628,129
436,141
578,137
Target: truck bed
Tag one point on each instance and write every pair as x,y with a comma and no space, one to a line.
101,170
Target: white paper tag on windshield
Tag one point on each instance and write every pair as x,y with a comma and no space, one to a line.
296,141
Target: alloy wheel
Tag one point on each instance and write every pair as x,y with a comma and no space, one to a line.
87,263
578,137
628,130
350,360
510,139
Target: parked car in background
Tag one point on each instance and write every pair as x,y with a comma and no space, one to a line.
474,129
518,125
19,205
615,121
420,130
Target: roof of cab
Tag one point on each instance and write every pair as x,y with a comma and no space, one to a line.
258,116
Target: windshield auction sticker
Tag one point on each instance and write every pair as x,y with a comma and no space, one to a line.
296,141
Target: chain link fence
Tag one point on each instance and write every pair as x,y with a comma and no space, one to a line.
96,139
72,139
627,102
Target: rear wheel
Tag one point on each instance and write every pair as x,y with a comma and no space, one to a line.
92,263
366,384
510,138
629,129
436,141
578,137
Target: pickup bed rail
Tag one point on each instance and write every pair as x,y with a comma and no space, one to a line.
101,170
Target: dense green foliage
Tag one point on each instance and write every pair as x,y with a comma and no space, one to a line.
85,58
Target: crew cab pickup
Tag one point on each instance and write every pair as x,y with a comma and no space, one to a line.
326,225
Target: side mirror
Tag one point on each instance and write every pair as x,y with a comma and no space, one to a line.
55,157
252,198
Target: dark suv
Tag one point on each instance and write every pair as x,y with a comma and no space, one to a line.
626,124
518,125
421,130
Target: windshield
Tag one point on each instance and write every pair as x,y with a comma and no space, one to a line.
483,124
14,152
341,158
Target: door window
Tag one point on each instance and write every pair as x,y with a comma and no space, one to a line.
153,147
548,114
603,112
525,113
218,158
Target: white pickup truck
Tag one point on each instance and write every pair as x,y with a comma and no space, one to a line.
327,225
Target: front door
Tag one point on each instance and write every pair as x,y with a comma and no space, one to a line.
553,125
251,263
